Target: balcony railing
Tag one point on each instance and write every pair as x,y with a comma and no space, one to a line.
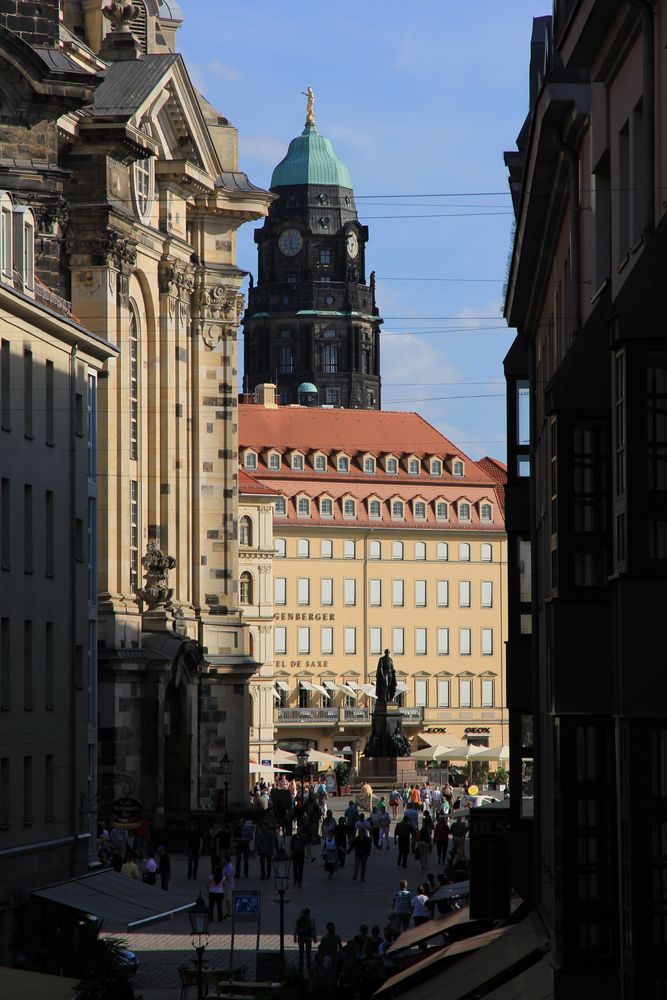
412,714
326,715
356,715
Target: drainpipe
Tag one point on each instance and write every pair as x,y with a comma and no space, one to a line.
72,613
575,227
648,32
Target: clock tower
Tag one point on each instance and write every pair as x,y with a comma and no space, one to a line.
312,326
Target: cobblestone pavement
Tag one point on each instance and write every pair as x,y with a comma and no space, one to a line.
161,948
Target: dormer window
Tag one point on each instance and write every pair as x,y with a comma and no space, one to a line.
369,464
343,464
374,508
349,507
303,507
413,466
326,507
441,510
320,463
458,468
297,461
436,467
273,461
464,510
485,512
419,508
250,460
397,509
281,507
391,466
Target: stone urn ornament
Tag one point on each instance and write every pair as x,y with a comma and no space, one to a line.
121,13
156,591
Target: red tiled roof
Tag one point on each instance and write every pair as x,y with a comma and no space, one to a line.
494,468
249,485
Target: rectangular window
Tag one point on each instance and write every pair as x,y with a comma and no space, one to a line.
327,640
487,594
350,639
134,535
280,640
326,591
350,592
523,413
49,666
349,548
27,393
28,554
442,550
464,593
464,641
397,550
398,641
5,668
375,550
420,593
49,403
397,593
27,791
303,639
5,796
48,787
420,642
375,593
326,549
91,550
49,532
465,694
443,693
487,642
330,359
303,590
486,552
487,694
303,548
443,593
376,640
421,693
5,524
27,666
5,361
280,590
443,642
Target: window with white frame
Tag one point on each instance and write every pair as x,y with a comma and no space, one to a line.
374,508
327,640
281,506
245,589
420,551
457,467
420,642
419,508
464,510
343,463
320,463
443,642
376,640
397,509
397,550
280,640
486,552
443,692
465,641
245,530
369,464
397,593
487,594
465,693
349,508
421,692
398,640
24,246
464,593
297,462
274,461
6,235
250,460
350,593
303,590
442,510
303,639
485,512
442,590
143,174
326,549
326,507
464,552
375,593
487,642
436,467
280,547
442,551
420,593
303,507
326,591
375,550
350,639
349,548
303,548
279,590
391,466
487,693
413,467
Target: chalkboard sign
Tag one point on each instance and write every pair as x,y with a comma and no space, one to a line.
330,781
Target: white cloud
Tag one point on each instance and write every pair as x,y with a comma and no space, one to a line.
223,72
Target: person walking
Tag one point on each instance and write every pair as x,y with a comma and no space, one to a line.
441,837
330,854
266,844
193,845
459,830
419,906
305,935
164,868
149,873
384,824
374,820
298,843
394,802
362,846
401,905
216,891
403,837
340,835
330,948
228,884
130,868
243,839
351,815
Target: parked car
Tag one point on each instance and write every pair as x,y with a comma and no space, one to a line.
471,801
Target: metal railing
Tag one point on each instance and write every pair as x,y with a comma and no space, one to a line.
307,715
412,714
356,715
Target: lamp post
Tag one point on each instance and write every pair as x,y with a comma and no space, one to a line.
199,937
282,871
225,771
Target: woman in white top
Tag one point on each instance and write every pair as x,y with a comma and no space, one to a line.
420,912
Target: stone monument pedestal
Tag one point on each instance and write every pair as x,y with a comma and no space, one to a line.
392,768
386,753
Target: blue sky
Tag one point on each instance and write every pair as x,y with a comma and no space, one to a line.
419,100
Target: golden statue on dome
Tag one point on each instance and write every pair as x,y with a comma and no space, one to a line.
310,114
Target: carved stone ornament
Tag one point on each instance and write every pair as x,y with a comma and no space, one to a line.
112,249
217,311
156,591
120,13
176,278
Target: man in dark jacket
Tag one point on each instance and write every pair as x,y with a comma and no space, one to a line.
361,845
403,837
298,843
266,844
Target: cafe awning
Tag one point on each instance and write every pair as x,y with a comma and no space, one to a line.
116,899
19,985
431,928
282,685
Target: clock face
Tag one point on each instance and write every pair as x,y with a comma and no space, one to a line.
352,244
290,242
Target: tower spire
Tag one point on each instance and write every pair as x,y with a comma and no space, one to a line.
310,114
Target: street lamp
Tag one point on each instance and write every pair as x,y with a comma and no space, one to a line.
225,771
199,936
282,872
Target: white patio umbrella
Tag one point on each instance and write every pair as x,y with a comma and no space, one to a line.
489,753
284,757
258,769
440,752
322,757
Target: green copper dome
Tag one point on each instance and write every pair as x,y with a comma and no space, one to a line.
311,160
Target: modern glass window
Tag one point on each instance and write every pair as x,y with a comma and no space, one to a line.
303,507
443,642
464,511
420,510
326,549
303,639
420,642
245,589
443,693
420,593
442,510
421,692
326,507
303,590
397,550
369,464
398,641
327,640
443,593
343,463
486,512
465,693
413,467
464,552
375,509
280,640
250,460
442,551
397,509
376,640
375,593
320,464
326,591
375,550
391,466
420,551
303,548
487,594
245,530
465,641
350,593
281,506
330,359
487,642
274,461
280,547
486,552
349,508
436,467
464,593
285,360
397,593
297,462
487,693
279,590
350,639
457,468
349,548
